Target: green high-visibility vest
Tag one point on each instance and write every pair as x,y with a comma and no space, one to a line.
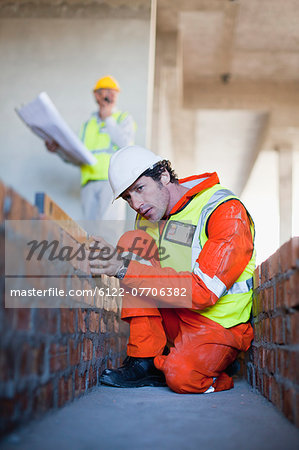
183,238
99,143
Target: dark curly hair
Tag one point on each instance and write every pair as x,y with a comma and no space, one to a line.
156,172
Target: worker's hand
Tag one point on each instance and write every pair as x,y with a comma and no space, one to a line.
52,146
104,259
106,110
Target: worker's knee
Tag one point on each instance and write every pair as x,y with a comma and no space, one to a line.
183,378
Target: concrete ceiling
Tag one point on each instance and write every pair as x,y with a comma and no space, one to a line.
235,66
75,9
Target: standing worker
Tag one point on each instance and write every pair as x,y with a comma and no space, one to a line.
205,236
103,134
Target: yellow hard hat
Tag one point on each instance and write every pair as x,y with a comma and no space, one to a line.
107,82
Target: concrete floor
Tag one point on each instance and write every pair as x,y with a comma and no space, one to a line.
157,418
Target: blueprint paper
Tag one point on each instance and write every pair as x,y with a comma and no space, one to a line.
45,121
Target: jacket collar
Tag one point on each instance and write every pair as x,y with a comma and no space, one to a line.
195,184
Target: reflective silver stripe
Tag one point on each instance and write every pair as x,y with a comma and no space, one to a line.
104,150
213,284
134,257
218,288
82,137
191,184
241,287
211,204
207,209
196,247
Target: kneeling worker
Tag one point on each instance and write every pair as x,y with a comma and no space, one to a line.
206,235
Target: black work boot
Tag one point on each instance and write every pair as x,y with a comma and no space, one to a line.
135,372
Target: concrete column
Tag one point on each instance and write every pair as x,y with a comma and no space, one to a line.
285,173
151,72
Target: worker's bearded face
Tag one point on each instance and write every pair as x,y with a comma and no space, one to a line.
149,198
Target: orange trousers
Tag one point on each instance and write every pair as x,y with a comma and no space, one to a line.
201,348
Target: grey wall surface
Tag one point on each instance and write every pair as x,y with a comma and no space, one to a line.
64,57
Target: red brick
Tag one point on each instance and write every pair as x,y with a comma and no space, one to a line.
88,293
124,341
274,265
292,290
255,301
266,330
261,301
80,383
50,231
103,326
289,254
81,320
20,208
87,349
23,321
293,328
32,360
266,301
116,324
75,352
67,320
113,345
92,377
94,322
264,272
70,247
4,373
292,368
270,298
46,320
280,294
58,357
282,361
109,363
257,277
257,331
255,354
261,357
288,403
22,400
277,325
76,285
297,409
65,390
17,209
288,363
270,360
276,394
266,384
84,266
250,375
43,398
99,350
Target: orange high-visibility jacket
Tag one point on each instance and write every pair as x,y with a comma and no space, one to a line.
225,255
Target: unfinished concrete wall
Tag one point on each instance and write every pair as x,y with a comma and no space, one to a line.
63,48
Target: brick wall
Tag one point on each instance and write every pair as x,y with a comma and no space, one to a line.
273,361
50,356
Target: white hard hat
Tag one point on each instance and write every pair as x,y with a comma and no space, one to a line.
127,164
